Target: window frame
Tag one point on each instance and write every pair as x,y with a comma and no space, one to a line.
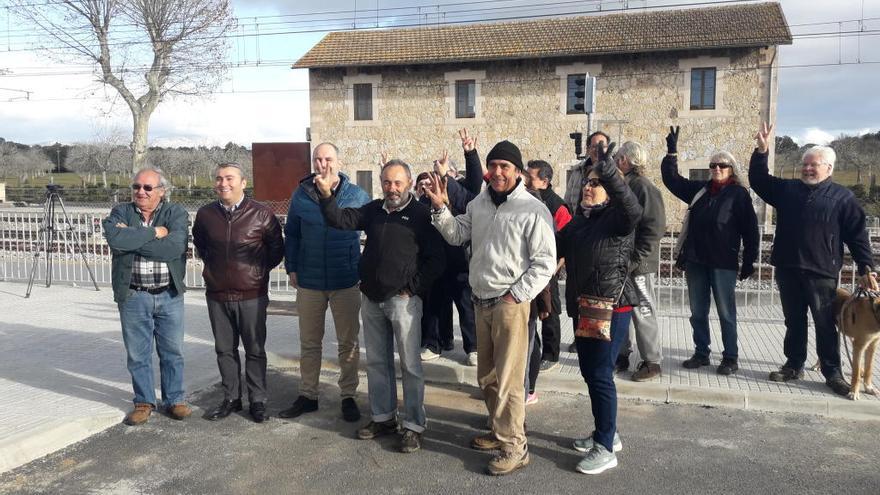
701,92
362,99
465,105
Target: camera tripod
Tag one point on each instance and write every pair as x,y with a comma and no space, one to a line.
49,231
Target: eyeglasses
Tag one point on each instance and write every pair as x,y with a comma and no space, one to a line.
719,165
145,187
593,183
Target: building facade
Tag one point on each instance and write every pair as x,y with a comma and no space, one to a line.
706,73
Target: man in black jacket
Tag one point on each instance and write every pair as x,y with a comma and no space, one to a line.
240,242
815,217
631,160
402,257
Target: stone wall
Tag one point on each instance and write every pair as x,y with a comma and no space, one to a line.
638,97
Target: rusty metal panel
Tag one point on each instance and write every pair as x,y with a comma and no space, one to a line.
278,168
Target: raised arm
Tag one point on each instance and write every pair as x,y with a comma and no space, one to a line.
628,209
765,185
474,171
681,188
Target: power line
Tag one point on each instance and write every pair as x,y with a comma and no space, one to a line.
488,83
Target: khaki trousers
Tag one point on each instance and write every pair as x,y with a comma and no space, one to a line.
312,305
502,345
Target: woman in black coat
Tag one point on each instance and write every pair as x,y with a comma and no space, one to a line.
597,244
720,218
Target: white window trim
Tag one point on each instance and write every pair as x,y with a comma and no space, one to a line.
563,71
721,64
461,75
349,82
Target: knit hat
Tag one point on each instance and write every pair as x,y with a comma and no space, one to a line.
505,150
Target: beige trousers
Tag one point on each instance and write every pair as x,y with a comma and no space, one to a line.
502,345
345,305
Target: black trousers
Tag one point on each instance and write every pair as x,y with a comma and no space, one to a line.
451,288
534,359
550,327
799,291
244,321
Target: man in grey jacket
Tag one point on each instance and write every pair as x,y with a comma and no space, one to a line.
631,161
514,256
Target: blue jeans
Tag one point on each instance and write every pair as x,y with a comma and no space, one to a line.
596,359
397,318
147,317
722,283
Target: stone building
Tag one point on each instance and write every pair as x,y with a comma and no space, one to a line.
713,71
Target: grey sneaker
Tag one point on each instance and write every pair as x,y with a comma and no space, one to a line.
597,460
472,359
429,355
585,444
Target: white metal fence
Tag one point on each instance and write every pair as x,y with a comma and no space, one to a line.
20,230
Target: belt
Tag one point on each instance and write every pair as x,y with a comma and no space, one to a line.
150,290
485,303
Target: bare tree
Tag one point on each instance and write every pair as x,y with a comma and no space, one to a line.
178,47
105,153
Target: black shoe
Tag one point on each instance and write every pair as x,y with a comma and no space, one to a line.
696,361
838,385
410,442
728,366
258,412
350,411
786,373
300,406
374,429
622,363
573,348
225,408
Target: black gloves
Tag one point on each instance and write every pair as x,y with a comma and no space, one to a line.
672,141
746,271
606,165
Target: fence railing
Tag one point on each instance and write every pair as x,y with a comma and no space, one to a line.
20,233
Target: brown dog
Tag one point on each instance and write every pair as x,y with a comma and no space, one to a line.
859,319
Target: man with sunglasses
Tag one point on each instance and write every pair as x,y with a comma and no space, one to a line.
148,239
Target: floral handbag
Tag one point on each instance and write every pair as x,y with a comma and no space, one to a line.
594,317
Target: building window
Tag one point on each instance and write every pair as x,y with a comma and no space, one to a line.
363,101
365,181
703,88
465,99
571,100
699,174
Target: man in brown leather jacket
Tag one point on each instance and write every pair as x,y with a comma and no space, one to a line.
240,242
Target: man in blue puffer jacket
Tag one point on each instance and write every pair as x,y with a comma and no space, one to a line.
322,263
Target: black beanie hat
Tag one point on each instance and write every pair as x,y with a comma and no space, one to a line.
505,150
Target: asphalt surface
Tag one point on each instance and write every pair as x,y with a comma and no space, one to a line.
667,449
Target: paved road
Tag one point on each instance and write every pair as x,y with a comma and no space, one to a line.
667,449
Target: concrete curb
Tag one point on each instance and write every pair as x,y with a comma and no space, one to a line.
43,439
446,372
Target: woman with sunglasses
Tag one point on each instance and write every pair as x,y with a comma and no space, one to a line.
719,220
597,245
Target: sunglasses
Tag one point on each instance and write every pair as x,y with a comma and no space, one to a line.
145,187
719,165
592,182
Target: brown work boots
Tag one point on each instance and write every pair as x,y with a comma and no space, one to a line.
507,462
139,415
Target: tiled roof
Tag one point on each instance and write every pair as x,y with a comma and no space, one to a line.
747,25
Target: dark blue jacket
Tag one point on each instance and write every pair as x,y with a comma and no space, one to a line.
324,258
812,222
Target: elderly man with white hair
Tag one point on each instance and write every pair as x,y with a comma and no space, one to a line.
814,218
644,262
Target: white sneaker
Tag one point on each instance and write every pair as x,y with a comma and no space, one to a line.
429,355
471,359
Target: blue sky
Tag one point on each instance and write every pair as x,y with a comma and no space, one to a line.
269,102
